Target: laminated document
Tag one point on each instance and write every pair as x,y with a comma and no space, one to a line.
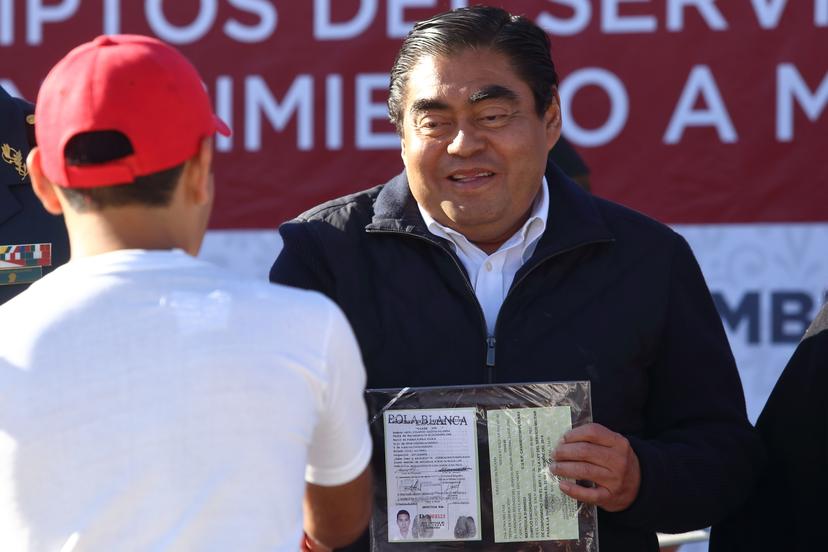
467,467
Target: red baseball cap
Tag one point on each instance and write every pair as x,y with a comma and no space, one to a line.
136,85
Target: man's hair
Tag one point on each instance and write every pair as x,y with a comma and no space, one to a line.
401,512
94,148
519,39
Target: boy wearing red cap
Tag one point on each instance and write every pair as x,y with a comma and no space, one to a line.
155,402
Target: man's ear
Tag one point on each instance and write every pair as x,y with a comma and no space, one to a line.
552,119
41,185
400,128
196,175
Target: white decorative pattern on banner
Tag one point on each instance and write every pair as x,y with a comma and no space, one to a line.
768,281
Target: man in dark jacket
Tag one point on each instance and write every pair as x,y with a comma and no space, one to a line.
788,505
481,264
32,242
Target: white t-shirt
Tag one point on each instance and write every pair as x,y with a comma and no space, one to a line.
151,401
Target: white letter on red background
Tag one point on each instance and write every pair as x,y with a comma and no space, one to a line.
368,111
619,106
582,12
264,10
613,22
258,99
706,8
325,29
224,109
789,87
700,82
37,14
181,35
112,16
6,22
333,112
398,27
768,12
821,13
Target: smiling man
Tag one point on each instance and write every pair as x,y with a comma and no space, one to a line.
473,144
480,264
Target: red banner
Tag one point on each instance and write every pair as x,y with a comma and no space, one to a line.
693,111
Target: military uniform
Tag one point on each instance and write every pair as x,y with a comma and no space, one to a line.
32,241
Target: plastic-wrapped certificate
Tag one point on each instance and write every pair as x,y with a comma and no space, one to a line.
432,474
467,468
528,504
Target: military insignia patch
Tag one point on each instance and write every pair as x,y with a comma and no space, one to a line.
10,277
14,157
23,263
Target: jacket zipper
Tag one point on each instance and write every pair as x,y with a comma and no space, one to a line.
491,351
490,356
491,340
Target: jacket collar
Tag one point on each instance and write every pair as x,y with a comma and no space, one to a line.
574,218
395,209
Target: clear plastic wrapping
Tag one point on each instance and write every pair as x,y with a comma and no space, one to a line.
466,467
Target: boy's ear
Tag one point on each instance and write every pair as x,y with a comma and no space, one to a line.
197,173
43,188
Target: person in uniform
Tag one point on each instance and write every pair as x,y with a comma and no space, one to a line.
32,241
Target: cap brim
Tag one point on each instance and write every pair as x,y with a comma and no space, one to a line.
221,126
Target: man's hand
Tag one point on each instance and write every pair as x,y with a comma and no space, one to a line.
594,453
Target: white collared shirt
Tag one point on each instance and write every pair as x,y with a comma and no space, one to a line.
492,275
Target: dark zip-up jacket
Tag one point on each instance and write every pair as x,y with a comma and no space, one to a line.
787,507
608,296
